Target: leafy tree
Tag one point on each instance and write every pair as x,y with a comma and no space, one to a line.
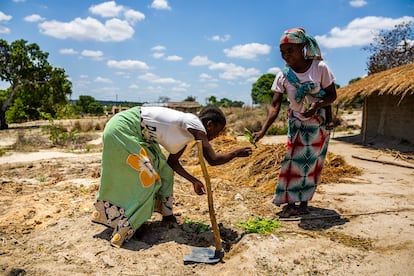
224,102
391,48
88,105
190,99
40,87
261,92
212,100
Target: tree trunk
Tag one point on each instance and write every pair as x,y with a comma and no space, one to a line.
3,124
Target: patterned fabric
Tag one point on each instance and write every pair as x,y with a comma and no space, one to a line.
302,88
298,36
133,174
302,166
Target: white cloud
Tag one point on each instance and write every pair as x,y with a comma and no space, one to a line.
274,70
232,71
68,51
128,64
158,55
133,16
174,58
248,51
4,30
200,61
107,9
357,3
359,31
92,54
205,76
33,18
102,80
160,5
173,84
88,29
158,48
220,38
150,77
4,17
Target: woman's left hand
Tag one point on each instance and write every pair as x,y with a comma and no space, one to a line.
310,112
244,152
199,188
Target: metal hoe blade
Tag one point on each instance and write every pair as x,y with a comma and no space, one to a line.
203,255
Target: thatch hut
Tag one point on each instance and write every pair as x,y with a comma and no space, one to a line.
388,110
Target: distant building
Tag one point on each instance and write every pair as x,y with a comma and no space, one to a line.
118,108
388,103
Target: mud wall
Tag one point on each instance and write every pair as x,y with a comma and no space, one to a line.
389,118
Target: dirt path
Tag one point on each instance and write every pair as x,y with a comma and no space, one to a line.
363,228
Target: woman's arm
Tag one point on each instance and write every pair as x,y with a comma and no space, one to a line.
174,163
272,114
214,158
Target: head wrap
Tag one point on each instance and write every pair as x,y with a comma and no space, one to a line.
299,36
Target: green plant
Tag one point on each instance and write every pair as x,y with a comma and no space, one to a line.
259,225
42,179
201,227
249,135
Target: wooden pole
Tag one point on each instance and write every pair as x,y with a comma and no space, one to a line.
364,120
214,224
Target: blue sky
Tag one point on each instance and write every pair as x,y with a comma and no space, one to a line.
141,50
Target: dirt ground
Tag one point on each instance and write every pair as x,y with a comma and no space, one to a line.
359,225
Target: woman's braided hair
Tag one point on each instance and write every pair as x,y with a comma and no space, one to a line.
212,113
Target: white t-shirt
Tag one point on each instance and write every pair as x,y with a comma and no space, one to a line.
319,73
169,127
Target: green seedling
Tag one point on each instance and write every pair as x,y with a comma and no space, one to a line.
307,103
201,227
249,135
259,225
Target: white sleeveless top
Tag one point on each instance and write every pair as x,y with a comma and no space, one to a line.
169,127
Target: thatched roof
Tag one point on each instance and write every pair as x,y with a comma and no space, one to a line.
398,81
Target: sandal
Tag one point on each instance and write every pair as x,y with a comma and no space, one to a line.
288,211
303,208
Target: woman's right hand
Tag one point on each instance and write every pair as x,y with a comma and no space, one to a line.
258,135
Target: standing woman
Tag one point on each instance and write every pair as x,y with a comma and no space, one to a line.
134,171
310,88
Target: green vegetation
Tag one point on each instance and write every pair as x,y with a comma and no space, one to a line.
259,225
201,227
35,85
249,135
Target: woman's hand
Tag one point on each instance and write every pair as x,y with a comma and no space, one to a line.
199,188
258,135
243,152
310,112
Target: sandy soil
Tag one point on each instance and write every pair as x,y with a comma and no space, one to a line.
358,226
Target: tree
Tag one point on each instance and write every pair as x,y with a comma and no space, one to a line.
88,105
212,100
391,48
190,99
261,92
39,86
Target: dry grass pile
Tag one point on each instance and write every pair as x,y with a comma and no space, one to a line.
261,170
